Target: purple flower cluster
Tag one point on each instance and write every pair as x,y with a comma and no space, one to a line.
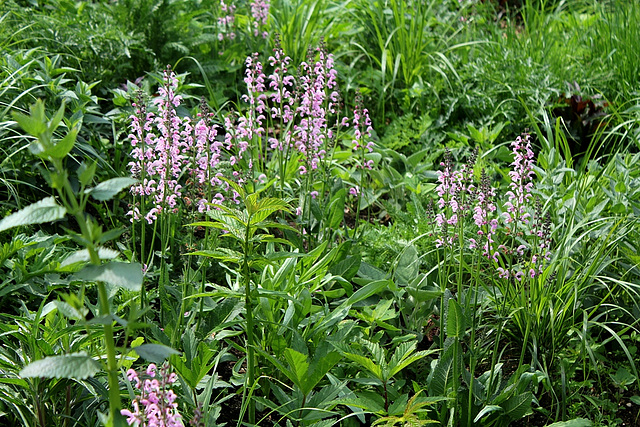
521,181
226,22
155,405
483,212
207,156
525,243
455,189
301,116
260,15
160,142
281,84
318,98
361,143
163,145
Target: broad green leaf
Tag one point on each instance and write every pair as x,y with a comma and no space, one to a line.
489,409
407,267
46,210
62,147
226,255
369,405
320,365
455,320
57,118
298,367
120,274
75,365
347,268
266,207
33,124
404,356
366,291
86,172
291,374
83,256
518,405
442,375
335,209
156,353
109,188
578,422
365,363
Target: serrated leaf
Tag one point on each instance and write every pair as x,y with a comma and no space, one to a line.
120,274
46,210
365,363
109,188
76,366
156,353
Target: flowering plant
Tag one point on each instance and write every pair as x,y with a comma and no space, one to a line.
155,405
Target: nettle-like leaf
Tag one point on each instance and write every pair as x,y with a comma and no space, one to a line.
156,353
46,210
76,366
120,274
107,189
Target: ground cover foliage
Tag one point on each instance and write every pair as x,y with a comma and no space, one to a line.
319,212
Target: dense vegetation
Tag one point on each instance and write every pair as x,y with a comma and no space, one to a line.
319,212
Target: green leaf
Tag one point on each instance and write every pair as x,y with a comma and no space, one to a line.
455,320
442,376
156,353
76,366
320,365
83,256
46,210
404,356
61,148
335,209
68,310
120,274
107,189
623,377
489,409
577,422
33,124
86,172
366,291
347,268
407,267
366,363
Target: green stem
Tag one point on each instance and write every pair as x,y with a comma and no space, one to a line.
249,314
77,210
